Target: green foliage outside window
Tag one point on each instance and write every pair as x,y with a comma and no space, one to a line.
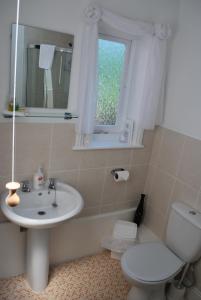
111,56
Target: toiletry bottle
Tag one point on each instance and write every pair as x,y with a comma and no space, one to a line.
38,179
10,106
138,217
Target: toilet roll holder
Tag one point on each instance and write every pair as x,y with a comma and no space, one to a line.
114,172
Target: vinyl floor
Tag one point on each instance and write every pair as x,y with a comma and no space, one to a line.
96,277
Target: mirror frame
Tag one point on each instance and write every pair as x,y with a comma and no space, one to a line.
37,111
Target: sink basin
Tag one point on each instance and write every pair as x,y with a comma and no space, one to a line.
37,213
36,210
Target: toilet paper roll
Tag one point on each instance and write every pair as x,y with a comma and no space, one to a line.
121,176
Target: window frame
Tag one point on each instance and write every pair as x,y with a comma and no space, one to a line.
122,105
108,136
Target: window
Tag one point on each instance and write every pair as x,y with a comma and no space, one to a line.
112,128
112,64
105,117
121,86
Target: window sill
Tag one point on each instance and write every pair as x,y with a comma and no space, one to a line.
105,147
108,141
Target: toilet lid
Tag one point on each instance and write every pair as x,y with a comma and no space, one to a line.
150,262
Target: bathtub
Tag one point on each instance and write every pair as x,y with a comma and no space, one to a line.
75,238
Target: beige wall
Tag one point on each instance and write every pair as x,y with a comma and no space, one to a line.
183,103
89,171
174,174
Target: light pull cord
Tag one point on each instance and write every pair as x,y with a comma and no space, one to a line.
12,198
14,90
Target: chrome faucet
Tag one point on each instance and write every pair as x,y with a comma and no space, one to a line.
26,186
51,185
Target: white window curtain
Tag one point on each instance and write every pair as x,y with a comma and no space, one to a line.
148,81
146,73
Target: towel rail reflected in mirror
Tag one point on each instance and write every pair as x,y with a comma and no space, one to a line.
44,71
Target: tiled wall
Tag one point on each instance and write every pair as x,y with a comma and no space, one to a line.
174,174
171,167
89,171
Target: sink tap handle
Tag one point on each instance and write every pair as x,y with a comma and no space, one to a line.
52,182
26,186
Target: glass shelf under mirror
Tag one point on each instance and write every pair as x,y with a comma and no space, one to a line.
65,115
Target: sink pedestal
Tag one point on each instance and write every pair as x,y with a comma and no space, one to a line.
36,212
37,264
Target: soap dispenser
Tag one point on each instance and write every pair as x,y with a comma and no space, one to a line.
38,179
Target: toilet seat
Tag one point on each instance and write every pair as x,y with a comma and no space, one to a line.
150,263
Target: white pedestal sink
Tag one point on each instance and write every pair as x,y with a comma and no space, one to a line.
37,258
37,213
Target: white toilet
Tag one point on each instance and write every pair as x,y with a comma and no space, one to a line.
149,266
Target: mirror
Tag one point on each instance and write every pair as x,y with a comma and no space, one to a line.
43,68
